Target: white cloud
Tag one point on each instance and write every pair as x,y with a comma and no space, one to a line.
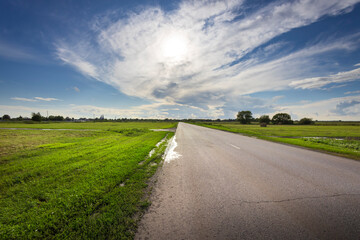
24,99
77,62
15,111
46,99
35,99
277,98
143,111
343,108
352,92
129,54
318,82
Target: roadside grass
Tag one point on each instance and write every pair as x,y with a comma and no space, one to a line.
12,141
75,184
90,125
317,137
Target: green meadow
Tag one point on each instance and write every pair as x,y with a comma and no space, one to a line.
341,139
76,184
88,125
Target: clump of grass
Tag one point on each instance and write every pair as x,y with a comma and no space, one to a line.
349,144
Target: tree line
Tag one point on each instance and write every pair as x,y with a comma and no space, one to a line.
245,117
37,117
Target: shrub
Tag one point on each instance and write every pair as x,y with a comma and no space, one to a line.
306,121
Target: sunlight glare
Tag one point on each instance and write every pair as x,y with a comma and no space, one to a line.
174,47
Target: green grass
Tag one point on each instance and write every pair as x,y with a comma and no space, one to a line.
316,137
75,184
89,125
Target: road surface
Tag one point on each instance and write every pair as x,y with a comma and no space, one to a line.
228,186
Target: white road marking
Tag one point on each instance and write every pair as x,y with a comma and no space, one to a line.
234,146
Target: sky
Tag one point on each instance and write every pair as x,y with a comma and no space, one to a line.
180,59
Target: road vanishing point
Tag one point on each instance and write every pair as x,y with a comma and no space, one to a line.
229,186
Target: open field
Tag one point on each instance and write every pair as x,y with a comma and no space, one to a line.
342,140
76,184
89,125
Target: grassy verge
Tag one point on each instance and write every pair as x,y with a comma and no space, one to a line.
75,184
315,137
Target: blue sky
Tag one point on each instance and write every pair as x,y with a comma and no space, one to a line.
180,59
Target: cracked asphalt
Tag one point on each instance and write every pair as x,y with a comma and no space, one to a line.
228,186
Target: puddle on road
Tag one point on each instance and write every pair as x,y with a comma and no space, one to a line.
170,153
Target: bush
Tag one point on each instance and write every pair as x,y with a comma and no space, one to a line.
306,121
282,118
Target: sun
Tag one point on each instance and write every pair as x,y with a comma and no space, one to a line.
174,47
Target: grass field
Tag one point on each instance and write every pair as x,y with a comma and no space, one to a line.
89,125
343,140
76,184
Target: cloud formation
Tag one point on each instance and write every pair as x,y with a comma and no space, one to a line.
343,108
24,99
46,99
212,72
318,82
35,99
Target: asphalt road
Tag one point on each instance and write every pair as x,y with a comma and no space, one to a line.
227,186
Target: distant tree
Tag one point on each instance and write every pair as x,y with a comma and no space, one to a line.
264,119
244,117
306,121
56,118
282,118
19,118
36,117
6,117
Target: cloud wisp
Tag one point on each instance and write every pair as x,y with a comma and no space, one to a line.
24,99
318,82
13,52
35,99
194,56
